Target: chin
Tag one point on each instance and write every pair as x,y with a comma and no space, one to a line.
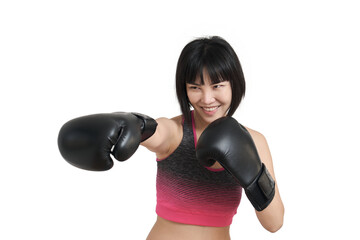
210,119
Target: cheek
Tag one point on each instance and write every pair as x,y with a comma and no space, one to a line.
229,95
229,98
226,97
192,97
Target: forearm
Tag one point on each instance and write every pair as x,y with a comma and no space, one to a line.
272,217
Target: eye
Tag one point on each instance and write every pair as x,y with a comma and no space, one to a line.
218,86
193,87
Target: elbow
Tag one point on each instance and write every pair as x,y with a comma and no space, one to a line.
275,225
272,217
274,228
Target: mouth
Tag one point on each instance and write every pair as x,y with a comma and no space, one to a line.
210,110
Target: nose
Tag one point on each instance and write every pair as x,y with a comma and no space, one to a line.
207,97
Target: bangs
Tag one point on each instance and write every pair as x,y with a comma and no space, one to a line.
216,71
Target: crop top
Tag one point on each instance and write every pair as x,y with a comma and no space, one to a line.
190,193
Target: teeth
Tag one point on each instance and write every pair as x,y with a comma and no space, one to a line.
210,109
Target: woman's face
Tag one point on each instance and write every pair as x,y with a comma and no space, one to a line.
210,101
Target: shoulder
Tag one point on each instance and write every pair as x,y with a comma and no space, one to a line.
171,131
258,137
170,124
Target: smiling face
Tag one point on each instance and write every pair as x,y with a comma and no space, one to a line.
224,77
210,100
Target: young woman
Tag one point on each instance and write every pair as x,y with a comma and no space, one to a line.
193,201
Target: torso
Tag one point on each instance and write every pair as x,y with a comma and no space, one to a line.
164,229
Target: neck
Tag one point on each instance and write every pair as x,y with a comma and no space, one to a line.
200,124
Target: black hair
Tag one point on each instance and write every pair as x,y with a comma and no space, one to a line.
222,64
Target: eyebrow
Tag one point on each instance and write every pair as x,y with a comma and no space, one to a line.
196,84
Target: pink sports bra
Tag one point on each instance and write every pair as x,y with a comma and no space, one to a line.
189,193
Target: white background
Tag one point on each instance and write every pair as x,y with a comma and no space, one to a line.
64,59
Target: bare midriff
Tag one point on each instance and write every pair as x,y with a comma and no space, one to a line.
165,230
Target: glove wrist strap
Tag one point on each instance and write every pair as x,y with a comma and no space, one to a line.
148,127
262,190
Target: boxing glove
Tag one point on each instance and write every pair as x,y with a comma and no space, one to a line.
87,142
229,143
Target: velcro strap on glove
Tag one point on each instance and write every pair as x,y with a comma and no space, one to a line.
148,127
262,190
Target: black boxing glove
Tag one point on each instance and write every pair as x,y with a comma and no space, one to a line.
229,143
87,142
